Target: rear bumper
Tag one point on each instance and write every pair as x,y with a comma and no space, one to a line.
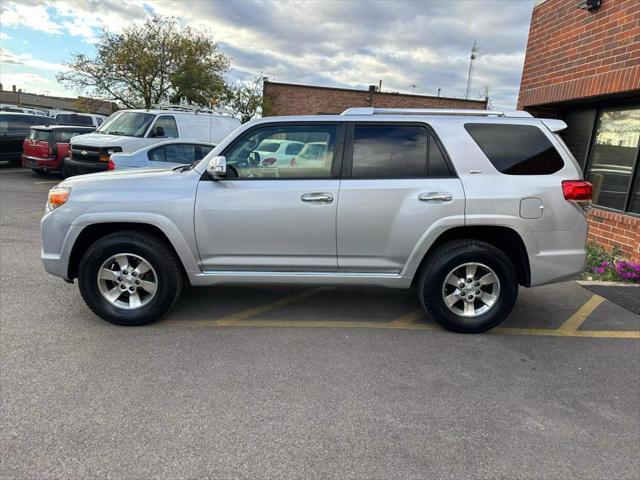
80,167
39,163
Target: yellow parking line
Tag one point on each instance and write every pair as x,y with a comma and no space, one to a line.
236,317
409,318
574,322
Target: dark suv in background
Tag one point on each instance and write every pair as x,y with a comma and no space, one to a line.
14,128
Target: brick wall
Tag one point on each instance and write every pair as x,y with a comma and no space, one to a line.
290,99
573,53
611,229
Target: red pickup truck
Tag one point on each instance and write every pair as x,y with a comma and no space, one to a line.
45,148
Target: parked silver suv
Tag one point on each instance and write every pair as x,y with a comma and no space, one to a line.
464,205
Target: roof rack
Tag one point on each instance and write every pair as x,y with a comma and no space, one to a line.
184,107
435,111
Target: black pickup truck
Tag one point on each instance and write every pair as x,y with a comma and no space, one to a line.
14,128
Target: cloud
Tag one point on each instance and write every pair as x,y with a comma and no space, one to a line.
4,36
33,83
353,43
25,59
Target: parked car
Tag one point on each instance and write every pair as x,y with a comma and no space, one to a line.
276,153
14,108
463,205
46,147
171,153
14,128
314,154
129,130
86,119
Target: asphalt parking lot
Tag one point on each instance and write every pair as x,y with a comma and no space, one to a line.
255,382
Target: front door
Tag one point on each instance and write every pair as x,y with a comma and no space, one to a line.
272,217
397,186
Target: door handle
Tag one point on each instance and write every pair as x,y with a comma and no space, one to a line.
317,197
435,197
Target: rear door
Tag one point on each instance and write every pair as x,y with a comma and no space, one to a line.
397,185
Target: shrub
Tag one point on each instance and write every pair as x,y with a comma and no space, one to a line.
609,265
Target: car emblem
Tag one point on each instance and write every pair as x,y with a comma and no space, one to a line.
83,152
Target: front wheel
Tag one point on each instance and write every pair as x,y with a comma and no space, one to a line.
130,278
468,286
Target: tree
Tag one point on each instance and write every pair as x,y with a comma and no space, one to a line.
147,64
246,99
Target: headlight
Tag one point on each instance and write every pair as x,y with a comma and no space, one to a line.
57,196
104,157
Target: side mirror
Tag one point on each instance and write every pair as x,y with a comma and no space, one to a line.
254,159
217,167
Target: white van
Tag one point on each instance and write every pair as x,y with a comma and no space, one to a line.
130,130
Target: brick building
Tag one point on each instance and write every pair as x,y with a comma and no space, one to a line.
293,99
583,65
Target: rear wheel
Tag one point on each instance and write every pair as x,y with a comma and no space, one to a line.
37,171
130,278
468,286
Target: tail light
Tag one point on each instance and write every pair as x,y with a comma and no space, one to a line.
577,190
269,161
293,162
111,165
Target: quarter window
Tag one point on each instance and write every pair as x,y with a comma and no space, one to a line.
516,149
156,154
253,157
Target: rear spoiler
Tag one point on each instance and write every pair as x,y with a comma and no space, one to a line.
553,124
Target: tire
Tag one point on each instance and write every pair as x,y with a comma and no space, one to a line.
66,173
468,310
37,171
164,268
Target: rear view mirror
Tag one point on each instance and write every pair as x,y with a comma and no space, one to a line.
217,167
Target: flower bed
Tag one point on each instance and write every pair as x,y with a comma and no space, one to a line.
609,265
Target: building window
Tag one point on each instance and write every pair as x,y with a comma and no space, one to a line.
613,159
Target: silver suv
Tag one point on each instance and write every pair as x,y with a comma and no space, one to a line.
463,205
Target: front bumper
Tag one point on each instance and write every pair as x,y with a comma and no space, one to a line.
80,167
57,242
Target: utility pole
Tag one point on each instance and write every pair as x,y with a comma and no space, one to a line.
474,55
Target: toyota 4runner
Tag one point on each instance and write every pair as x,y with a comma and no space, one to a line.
463,205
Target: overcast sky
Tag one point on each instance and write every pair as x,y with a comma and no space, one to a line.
347,43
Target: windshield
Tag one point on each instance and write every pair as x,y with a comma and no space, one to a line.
130,124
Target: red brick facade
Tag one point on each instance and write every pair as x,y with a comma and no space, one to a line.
574,53
611,229
291,99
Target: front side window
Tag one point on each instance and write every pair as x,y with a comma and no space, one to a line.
389,151
180,153
613,158
516,149
130,124
165,127
252,156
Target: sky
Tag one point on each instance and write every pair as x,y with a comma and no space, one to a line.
412,46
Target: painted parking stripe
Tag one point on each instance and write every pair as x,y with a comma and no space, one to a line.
574,322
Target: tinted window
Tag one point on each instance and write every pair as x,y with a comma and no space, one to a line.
156,154
294,148
247,159
73,119
438,166
516,149
39,135
202,151
180,153
168,124
16,123
389,151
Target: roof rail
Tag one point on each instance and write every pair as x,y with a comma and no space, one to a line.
434,111
183,107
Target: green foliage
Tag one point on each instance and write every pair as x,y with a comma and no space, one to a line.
601,264
150,63
246,99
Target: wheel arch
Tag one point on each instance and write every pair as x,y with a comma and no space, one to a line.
93,232
503,238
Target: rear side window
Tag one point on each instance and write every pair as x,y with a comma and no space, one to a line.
396,151
516,149
39,135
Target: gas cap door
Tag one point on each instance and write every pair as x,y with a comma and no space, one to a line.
531,208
